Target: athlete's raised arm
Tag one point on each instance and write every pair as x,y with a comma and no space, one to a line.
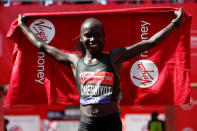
65,58
120,55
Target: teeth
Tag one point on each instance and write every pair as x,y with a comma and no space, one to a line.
92,43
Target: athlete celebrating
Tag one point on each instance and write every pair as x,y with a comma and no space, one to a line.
96,73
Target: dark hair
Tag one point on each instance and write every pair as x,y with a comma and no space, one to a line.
6,121
92,19
154,114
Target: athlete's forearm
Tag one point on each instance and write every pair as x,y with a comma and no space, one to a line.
34,39
134,50
161,35
57,54
165,32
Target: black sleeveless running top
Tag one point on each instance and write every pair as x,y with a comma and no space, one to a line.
97,84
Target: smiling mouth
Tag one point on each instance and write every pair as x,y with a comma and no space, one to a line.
93,44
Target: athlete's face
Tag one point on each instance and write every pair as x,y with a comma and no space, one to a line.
92,36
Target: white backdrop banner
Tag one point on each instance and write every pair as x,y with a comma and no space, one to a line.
63,125
23,123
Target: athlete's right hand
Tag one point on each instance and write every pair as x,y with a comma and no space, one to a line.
179,17
20,20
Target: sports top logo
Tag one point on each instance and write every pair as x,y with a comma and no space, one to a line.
144,73
44,29
105,78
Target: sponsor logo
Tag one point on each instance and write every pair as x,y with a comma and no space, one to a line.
40,68
144,73
91,100
101,69
95,100
144,35
96,78
44,29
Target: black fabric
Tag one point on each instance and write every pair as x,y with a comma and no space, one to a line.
106,123
104,66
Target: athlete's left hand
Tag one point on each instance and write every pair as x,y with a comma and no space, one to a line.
180,16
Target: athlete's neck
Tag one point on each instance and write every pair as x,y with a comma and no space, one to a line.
92,58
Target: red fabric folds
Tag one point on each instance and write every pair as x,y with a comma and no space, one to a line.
160,76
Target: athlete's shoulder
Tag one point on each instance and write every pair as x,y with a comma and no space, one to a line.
116,54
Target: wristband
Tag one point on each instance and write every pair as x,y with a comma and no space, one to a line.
176,22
